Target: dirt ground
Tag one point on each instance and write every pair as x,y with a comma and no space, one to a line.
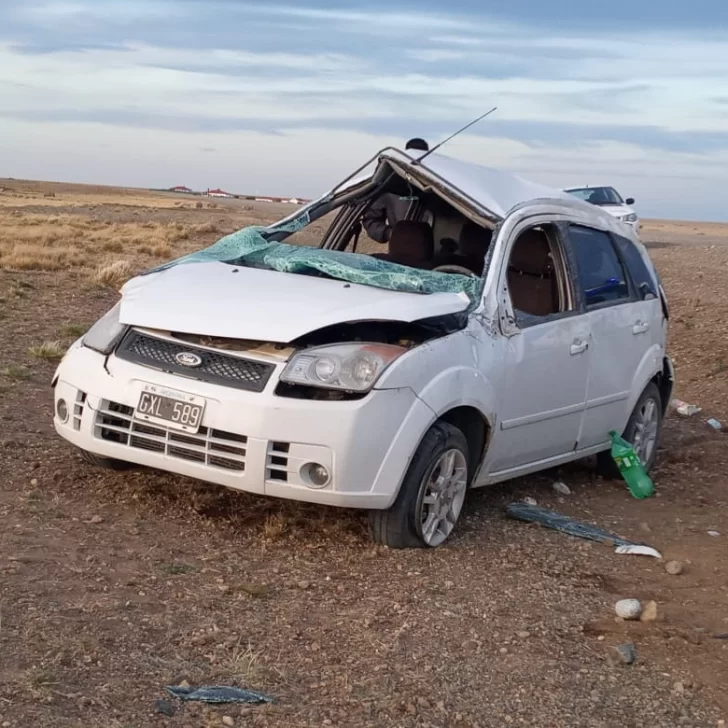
114,585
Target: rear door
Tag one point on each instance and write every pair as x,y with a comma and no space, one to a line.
622,323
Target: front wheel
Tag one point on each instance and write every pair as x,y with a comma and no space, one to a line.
429,502
642,432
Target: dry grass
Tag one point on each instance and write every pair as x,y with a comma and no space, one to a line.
38,680
275,527
28,194
16,373
113,275
244,666
207,227
58,242
48,351
74,330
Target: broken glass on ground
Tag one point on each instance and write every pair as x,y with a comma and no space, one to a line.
218,694
572,527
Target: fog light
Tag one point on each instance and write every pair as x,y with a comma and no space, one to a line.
316,475
62,410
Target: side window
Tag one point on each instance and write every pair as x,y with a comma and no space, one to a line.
537,280
601,274
644,280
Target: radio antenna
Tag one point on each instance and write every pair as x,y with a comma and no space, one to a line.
452,136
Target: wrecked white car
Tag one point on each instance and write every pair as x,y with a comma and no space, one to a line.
508,332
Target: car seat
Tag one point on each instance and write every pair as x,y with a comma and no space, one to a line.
531,279
411,243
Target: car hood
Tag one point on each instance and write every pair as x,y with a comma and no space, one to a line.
221,300
617,210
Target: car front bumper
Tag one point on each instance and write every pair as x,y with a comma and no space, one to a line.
254,442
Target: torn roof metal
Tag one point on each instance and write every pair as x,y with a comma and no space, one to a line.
484,194
495,191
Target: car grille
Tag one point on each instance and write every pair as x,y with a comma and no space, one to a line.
215,448
78,408
277,461
216,367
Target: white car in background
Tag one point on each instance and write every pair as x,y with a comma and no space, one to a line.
610,201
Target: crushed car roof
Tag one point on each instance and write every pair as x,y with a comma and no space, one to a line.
494,189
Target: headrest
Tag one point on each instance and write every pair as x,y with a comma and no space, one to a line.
531,254
474,240
412,239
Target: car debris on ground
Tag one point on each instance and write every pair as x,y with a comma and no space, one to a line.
218,694
685,409
572,527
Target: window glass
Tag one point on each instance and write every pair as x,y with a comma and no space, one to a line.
536,278
602,276
598,195
644,279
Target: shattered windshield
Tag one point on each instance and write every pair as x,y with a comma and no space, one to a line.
252,247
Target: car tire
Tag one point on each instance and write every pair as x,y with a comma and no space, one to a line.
424,498
102,462
650,399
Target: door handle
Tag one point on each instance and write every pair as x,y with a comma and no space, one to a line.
641,327
578,347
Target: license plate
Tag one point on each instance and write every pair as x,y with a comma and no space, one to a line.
175,410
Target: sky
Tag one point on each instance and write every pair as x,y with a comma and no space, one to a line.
290,98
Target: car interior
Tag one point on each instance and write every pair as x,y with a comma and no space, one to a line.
536,274
448,239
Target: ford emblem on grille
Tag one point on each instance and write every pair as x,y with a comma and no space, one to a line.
188,359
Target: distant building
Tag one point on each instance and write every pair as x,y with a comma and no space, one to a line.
282,200
219,193
181,188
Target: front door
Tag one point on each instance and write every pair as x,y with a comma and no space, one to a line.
546,358
542,406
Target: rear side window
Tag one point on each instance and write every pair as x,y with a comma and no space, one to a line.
645,281
602,277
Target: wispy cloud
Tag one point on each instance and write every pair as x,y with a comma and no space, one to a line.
211,70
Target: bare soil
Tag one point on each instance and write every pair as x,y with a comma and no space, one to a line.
113,585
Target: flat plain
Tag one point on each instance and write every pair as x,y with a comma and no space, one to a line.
113,585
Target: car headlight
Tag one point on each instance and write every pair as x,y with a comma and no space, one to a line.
105,334
350,367
632,217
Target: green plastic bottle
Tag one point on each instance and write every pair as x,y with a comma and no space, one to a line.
638,482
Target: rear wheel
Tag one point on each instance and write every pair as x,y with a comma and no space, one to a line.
102,462
429,502
642,432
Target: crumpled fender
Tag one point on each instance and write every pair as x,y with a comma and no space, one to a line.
449,372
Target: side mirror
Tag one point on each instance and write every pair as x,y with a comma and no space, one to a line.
630,201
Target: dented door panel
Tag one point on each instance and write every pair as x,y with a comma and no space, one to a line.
543,393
